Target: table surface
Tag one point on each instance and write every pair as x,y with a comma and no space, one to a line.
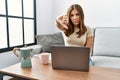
45,72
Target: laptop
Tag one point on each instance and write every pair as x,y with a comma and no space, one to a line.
70,58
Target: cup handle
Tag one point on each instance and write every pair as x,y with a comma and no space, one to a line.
14,51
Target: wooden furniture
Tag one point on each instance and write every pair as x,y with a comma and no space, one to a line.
39,71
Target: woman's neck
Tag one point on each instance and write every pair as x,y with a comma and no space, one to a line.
75,27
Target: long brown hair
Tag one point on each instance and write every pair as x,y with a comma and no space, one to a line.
82,27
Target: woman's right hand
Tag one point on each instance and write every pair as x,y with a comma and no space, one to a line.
65,19
62,22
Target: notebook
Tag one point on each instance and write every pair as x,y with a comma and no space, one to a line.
70,58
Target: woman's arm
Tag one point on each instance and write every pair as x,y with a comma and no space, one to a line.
89,42
61,23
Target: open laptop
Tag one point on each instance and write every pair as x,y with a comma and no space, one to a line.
70,58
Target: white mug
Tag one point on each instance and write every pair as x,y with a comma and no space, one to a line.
45,58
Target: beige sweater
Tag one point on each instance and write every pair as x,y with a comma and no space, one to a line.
72,40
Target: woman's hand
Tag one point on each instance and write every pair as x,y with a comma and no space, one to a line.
65,19
62,22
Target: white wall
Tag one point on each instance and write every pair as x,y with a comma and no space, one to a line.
98,13
7,59
44,16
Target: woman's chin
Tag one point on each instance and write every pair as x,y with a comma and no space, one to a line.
76,24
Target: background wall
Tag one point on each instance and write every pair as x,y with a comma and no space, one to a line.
7,59
44,16
98,13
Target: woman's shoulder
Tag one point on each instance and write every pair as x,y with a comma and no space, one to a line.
88,27
89,30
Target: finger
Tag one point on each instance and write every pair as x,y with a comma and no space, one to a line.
65,27
65,22
65,17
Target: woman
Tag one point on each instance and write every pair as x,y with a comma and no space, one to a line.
75,32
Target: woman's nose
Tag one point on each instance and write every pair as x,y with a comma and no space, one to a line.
74,17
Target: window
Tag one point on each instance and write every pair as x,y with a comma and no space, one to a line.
17,23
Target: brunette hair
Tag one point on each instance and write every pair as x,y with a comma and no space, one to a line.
82,27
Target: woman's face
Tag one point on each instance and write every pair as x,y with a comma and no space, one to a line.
75,17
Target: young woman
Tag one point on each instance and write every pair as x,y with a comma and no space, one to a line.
75,32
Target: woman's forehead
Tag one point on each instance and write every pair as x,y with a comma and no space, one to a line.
74,11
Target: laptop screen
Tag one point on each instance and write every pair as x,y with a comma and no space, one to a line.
70,58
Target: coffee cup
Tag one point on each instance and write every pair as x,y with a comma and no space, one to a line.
45,58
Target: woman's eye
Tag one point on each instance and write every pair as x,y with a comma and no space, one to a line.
77,14
71,15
